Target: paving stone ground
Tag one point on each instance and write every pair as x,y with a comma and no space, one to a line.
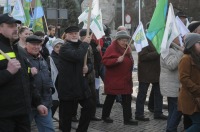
117,116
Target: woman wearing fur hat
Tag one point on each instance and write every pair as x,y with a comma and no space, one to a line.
189,75
118,77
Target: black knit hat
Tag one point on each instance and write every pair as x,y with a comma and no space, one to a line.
181,14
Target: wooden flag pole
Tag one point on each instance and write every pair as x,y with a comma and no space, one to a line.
5,55
127,47
88,32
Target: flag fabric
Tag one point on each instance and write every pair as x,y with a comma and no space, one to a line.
37,17
171,32
18,11
157,24
27,12
187,22
182,28
38,25
140,40
38,10
97,26
95,12
7,7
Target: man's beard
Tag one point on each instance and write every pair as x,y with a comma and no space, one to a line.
74,40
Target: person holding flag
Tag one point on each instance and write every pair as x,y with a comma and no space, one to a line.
118,77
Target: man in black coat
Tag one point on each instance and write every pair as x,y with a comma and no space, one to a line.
15,81
72,82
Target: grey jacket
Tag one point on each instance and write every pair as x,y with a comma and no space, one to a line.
169,82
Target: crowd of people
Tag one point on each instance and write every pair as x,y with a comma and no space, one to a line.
40,73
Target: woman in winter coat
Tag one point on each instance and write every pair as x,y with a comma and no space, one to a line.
118,77
169,84
189,75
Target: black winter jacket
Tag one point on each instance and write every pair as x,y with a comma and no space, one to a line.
15,90
42,79
72,85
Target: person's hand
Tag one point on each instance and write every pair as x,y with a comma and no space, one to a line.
85,69
182,48
99,47
87,39
43,111
13,66
34,71
120,59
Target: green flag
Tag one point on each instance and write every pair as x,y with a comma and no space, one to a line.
156,28
37,17
27,12
38,25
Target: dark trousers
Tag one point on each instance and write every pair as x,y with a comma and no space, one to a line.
151,100
15,124
141,97
55,106
93,97
66,110
126,104
187,122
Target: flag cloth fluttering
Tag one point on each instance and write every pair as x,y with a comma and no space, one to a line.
27,12
140,40
171,32
7,7
18,11
37,17
157,24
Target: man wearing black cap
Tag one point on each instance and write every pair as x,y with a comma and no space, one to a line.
72,85
15,83
42,81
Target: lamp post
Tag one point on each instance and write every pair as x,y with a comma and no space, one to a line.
122,12
58,18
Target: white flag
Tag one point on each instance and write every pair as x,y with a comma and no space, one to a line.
182,29
139,37
171,32
97,26
18,11
95,11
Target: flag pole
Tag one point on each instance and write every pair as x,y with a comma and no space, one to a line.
45,20
139,12
88,32
127,47
5,55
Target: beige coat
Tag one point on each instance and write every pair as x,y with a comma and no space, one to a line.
189,76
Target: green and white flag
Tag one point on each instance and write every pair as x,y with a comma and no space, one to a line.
171,32
18,11
7,7
97,26
139,37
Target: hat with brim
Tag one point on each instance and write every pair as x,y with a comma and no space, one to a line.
57,41
193,25
33,39
8,19
71,29
191,39
122,34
